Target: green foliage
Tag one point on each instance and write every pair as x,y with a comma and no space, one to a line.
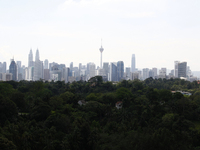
5,144
50,117
8,110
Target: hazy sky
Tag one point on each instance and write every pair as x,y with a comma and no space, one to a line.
158,32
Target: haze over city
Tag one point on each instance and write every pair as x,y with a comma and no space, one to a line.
64,31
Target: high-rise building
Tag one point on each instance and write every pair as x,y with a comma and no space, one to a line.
30,59
176,68
113,71
92,68
4,67
1,67
106,68
101,50
79,69
66,74
71,66
128,72
151,73
13,70
162,73
38,67
133,63
30,73
46,64
182,69
46,74
155,72
120,70
145,73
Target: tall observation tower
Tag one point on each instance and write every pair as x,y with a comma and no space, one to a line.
101,50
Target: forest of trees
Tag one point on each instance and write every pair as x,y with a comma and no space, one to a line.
37,115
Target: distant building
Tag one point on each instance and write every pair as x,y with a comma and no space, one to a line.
4,67
133,63
71,79
106,68
151,73
128,72
46,64
145,73
155,72
113,71
38,67
7,76
13,70
182,69
66,74
162,73
30,59
92,68
30,73
176,68
55,73
120,70
135,76
46,74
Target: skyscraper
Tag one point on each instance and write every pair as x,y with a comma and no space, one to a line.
13,70
30,59
145,73
106,68
133,63
4,67
79,69
154,72
176,68
113,71
1,67
182,69
120,70
101,50
128,72
38,67
46,64
92,68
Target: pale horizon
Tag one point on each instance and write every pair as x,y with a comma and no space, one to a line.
64,31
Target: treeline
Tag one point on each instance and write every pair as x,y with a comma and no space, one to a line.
47,116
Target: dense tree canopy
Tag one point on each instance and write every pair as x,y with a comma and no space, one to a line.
82,115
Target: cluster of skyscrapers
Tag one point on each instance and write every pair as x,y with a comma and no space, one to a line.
113,71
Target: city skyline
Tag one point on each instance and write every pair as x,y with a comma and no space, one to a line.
157,32
30,57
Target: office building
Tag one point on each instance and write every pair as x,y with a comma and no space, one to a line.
182,69
113,71
133,63
38,67
176,68
92,68
46,64
30,59
128,72
13,70
145,72
120,70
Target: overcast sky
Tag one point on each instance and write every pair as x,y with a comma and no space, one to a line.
158,32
